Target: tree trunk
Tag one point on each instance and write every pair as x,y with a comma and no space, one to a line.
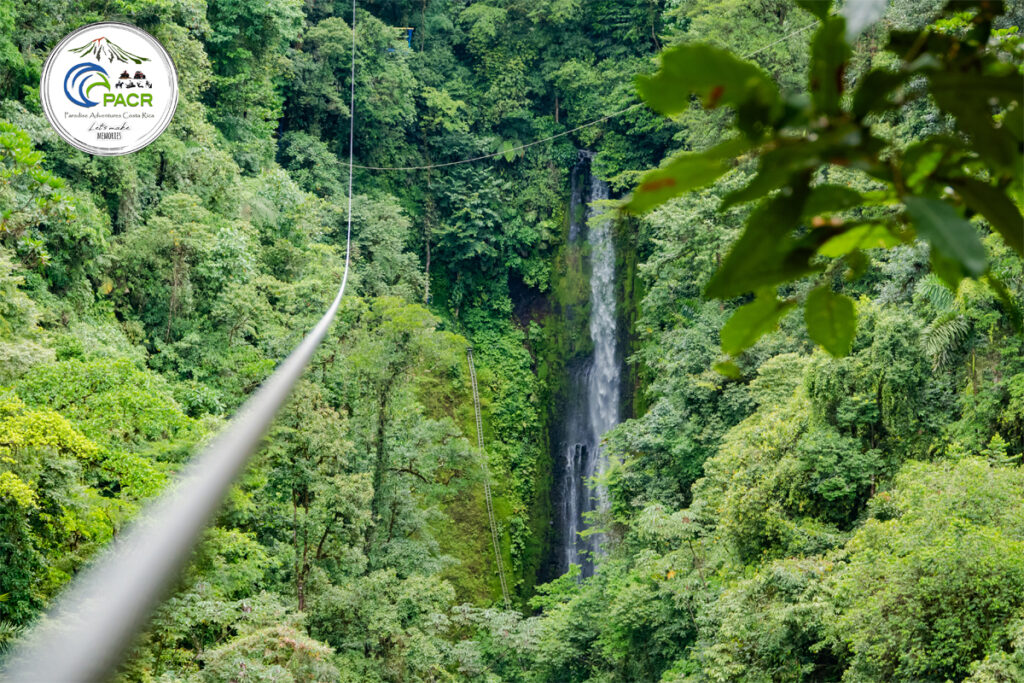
381,465
426,289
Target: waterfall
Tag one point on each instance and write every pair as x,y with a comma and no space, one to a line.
592,405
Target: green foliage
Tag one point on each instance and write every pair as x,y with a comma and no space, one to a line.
799,135
113,402
276,653
172,270
717,78
53,231
810,516
766,254
50,517
323,504
382,233
29,189
752,321
18,313
859,238
247,43
973,559
385,626
950,234
684,172
769,626
19,331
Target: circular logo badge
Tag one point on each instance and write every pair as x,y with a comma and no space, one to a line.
109,88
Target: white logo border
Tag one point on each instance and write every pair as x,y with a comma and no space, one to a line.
149,138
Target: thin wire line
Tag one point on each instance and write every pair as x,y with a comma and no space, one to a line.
549,138
783,38
351,145
502,152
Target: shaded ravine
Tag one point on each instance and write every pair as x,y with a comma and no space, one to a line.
592,405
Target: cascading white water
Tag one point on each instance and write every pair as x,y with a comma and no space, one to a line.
592,406
605,372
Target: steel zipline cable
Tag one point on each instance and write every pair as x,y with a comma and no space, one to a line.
86,635
94,622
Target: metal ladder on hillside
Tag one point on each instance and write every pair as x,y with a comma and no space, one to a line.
495,540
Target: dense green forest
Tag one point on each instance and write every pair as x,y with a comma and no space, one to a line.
819,474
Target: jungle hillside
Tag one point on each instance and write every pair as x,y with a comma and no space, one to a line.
742,282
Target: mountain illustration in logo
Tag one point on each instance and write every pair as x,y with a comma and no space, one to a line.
100,48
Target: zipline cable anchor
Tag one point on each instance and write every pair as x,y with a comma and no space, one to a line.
495,540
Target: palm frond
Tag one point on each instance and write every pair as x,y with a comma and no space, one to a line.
8,634
940,296
944,336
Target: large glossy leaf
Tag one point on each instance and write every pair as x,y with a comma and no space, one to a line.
874,90
728,369
766,253
1013,120
715,75
829,52
969,98
994,205
991,89
921,159
790,156
856,265
775,168
831,320
870,236
684,172
948,232
829,198
752,321
947,269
